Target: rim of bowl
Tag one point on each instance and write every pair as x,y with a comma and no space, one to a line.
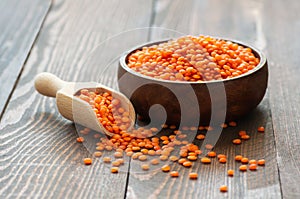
124,65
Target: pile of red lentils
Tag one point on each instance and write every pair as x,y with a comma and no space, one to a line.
191,58
150,148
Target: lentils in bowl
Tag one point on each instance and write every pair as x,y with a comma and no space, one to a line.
151,74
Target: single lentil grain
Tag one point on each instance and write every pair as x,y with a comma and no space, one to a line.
145,167
261,162
106,159
154,161
237,141
87,161
205,160
253,167
97,154
252,162
165,168
200,137
211,154
114,169
187,164
193,175
230,172
174,174
243,168
244,160
261,129
222,160
238,157
80,139
223,188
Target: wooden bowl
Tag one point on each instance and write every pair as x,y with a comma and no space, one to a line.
194,103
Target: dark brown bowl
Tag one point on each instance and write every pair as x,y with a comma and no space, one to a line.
194,103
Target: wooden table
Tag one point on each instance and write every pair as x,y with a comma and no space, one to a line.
39,155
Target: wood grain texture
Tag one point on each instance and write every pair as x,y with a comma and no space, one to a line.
238,20
20,23
283,29
39,156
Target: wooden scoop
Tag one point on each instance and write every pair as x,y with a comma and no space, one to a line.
73,108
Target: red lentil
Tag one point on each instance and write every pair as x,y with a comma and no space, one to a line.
118,154
211,154
114,169
187,164
205,160
154,161
237,141
252,167
182,160
230,172
193,59
106,159
174,174
142,157
165,168
97,154
221,156
243,168
223,188
80,139
145,167
245,137
261,129
87,161
241,133
200,137
193,176
244,160
209,146
173,158
222,160
115,163
238,157
261,162
252,162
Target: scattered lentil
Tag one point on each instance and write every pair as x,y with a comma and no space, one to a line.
237,141
243,168
223,188
205,160
244,160
145,167
238,157
230,172
80,139
261,162
261,129
114,169
154,161
87,161
193,176
174,174
97,154
252,167
165,168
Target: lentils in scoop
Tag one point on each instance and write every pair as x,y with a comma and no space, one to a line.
108,109
195,59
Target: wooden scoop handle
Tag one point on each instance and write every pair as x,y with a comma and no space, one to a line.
48,84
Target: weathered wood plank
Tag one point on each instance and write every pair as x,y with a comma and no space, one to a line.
20,23
39,156
281,20
237,20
